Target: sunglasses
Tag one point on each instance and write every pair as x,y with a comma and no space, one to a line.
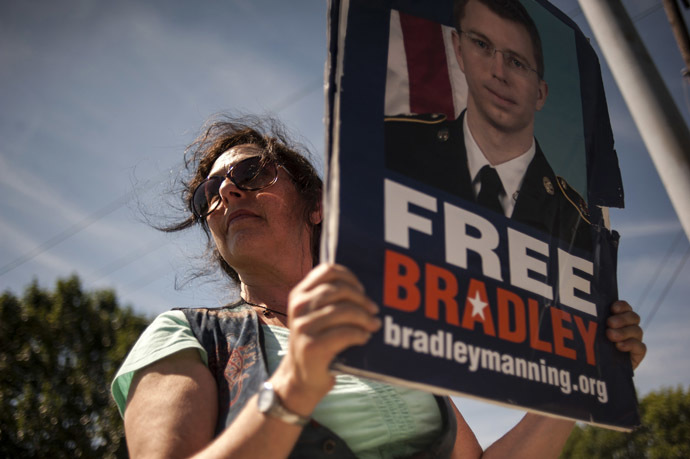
251,174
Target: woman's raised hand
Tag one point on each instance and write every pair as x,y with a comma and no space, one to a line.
328,312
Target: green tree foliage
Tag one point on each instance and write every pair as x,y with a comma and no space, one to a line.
664,433
58,354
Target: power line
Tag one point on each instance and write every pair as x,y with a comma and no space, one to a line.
647,12
660,266
666,289
297,95
142,282
76,228
122,200
128,259
67,233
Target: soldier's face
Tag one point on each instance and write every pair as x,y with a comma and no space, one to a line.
498,94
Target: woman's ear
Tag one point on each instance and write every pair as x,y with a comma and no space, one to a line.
316,216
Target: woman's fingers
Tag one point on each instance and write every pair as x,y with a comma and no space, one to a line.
336,292
335,314
625,332
328,312
622,315
327,284
635,347
338,314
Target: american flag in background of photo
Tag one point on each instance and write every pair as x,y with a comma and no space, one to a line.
423,74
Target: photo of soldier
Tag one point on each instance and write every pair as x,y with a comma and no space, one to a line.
489,154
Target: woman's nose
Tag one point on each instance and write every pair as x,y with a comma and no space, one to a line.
229,190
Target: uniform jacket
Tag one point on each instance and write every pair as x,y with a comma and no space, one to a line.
431,150
233,339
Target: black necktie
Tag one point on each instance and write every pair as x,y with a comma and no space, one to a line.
491,187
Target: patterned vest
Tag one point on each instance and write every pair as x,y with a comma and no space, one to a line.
233,340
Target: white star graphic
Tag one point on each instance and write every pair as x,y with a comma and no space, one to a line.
477,305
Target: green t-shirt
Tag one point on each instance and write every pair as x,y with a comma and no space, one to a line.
375,419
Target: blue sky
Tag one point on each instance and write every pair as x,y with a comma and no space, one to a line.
98,100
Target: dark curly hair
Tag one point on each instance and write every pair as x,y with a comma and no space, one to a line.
224,132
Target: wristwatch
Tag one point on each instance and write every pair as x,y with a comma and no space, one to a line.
270,404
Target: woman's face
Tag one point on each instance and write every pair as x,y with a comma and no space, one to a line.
251,227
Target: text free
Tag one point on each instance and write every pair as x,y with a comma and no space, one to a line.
399,221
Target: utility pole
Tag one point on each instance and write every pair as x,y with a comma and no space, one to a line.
654,111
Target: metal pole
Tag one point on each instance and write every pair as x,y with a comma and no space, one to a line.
661,125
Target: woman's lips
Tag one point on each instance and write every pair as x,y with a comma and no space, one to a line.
239,214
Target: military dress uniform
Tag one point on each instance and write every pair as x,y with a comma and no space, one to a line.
431,149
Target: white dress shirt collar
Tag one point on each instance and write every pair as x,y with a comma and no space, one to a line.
511,173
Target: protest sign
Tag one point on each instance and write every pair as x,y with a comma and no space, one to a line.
508,303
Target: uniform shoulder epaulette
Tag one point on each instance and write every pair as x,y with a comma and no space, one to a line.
424,118
574,198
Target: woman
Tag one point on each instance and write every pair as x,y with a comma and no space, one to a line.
195,382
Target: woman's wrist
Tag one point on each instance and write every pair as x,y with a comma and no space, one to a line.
294,395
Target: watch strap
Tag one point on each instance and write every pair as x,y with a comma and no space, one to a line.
277,410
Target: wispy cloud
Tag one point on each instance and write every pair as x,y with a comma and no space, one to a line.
32,190
16,238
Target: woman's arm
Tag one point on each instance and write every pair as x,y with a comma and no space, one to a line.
466,443
172,412
172,406
534,436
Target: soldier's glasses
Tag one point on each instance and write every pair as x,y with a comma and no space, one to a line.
482,47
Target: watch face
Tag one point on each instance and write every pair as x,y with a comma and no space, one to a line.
266,397
268,403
